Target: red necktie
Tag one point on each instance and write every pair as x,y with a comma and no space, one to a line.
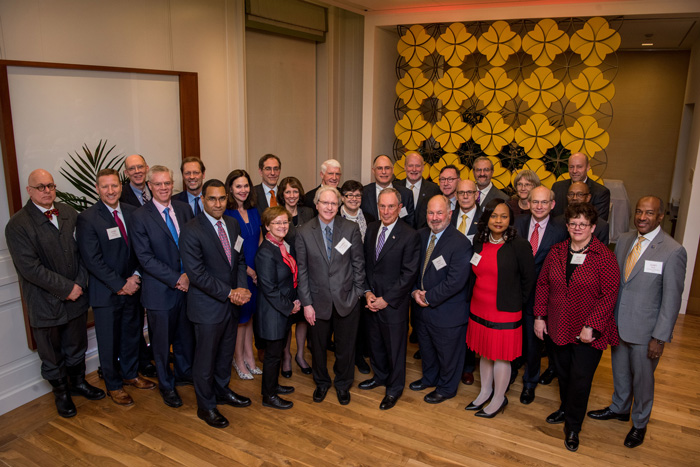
120,224
224,240
535,238
273,198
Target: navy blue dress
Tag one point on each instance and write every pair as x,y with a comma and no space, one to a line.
250,232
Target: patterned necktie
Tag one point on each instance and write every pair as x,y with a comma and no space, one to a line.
146,195
224,240
414,192
380,242
428,252
171,226
535,238
197,209
633,257
329,241
463,225
273,198
478,198
50,213
120,224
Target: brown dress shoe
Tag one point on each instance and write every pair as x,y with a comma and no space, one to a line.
468,378
120,397
140,383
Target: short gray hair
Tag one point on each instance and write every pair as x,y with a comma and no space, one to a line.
323,189
159,169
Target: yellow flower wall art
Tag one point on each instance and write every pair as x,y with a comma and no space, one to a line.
412,129
541,89
453,88
545,42
499,43
451,131
495,89
536,136
492,134
414,88
589,91
585,136
455,44
415,45
595,41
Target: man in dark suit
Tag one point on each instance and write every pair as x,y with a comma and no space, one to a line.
193,173
331,281
448,178
441,291
542,233
383,173
135,190
578,193
156,231
270,168
53,279
421,189
391,264
330,176
483,172
578,171
211,246
102,236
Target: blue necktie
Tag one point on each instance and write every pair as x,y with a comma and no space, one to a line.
171,225
329,241
380,242
197,209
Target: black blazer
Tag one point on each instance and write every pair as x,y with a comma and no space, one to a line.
129,197
304,214
428,189
600,198
207,267
392,275
309,199
369,202
475,223
276,292
516,274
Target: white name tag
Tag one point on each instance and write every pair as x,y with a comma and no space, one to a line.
578,258
113,233
343,246
653,267
403,212
476,257
239,244
439,263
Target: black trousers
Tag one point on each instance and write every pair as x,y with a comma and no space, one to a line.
531,351
388,353
442,352
117,330
62,348
575,364
345,329
271,366
213,354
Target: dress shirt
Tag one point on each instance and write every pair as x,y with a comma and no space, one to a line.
469,221
379,190
389,228
161,208
453,202
139,193
647,240
54,219
415,191
543,225
323,231
216,229
191,201
484,193
267,190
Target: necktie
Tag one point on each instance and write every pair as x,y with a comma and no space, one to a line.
478,198
380,241
415,194
463,225
535,238
50,213
633,257
329,242
197,209
273,198
428,252
224,240
171,225
120,224
146,195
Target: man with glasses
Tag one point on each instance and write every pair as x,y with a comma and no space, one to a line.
383,171
483,172
448,178
53,280
193,173
577,193
270,168
421,189
579,166
135,191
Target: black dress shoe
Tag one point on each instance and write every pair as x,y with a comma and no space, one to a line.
502,408
547,376
64,404
369,384
556,417
435,398
171,398
184,382
527,396
277,402
343,396
80,387
418,385
286,374
388,402
148,370
284,389
306,370
571,440
471,405
233,399
213,418
416,355
320,393
362,366
607,414
635,437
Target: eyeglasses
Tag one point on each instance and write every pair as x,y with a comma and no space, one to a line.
42,187
466,193
450,180
282,223
160,184
482,170
135,167
576,195
353,196
271,169
574,226
523,185
331,204
537,202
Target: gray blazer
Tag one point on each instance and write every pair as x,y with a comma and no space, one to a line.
338,282
648,303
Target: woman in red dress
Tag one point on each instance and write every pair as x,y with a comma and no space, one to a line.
504,275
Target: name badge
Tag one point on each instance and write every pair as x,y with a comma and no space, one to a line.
578,258
403,212
439,263
239,244
653,267
343,246
476,257
113,233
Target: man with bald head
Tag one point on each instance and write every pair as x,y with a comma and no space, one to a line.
135,190
383,171
421,189
579,166
53,282
578,192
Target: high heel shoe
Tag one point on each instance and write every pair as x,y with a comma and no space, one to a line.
471,405
307,370
255,370
483,414
288,373
240,373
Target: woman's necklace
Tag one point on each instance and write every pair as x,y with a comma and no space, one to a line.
495,242
575,252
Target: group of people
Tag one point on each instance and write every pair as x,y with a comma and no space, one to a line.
225,266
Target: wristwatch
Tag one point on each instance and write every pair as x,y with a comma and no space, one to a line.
660,342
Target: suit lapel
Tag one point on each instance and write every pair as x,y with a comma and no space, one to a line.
648,254
158,219
389,241
318,235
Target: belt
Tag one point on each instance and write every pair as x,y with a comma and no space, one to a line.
492,325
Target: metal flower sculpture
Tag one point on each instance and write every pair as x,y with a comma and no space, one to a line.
453,89
448,159
495,89
415,45
451,131
492,134
499,43
536,136
455,44
412,129
595,41
585,136
541,89
589,91
414,88
545,42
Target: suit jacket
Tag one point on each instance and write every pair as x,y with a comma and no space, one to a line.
428,189
309,199
600,197
158,254
183,198
554,233
648,303
588,299
48,264
338,282
601,232
110,262
446,288
262,201
393,274
494,193
211,275
473,227
276,292
129,197
369,202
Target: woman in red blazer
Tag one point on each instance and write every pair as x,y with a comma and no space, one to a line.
574,303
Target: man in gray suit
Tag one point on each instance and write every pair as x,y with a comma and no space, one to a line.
331,265
652,274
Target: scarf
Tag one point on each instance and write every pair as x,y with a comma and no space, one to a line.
286,257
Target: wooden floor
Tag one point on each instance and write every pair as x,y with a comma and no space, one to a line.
413,433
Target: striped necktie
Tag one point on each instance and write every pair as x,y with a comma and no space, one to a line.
428,252
633,257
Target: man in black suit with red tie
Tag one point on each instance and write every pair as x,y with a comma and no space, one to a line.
392,251
211,247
